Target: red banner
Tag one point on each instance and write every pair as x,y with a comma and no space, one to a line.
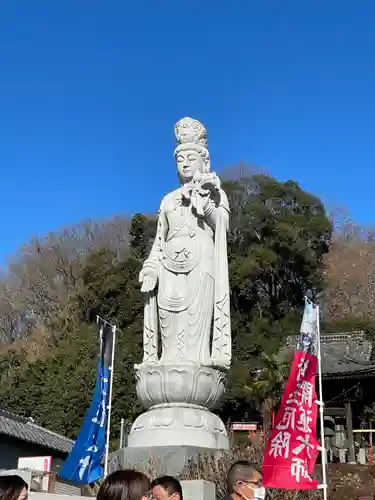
292,449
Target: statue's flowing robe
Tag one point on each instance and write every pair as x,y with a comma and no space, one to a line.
191,307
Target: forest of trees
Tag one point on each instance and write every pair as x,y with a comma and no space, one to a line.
282,244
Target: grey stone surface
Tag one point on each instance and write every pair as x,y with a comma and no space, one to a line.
185,277
159,459
186,287
198,490
187,425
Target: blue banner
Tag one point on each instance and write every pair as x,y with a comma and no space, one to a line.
83,465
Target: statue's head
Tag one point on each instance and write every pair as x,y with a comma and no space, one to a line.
191,153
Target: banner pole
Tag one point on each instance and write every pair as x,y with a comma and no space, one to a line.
121,444
110,404
321,409
100,336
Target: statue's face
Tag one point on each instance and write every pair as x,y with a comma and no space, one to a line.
188,163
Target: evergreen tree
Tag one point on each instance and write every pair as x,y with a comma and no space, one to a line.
278,237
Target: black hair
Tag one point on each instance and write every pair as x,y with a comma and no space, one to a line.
169,483
124,485
11,487
242,470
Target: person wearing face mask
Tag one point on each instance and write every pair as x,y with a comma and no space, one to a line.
244,482
166,488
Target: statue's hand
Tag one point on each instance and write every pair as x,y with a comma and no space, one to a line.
208,195
205,201
210,181
148,279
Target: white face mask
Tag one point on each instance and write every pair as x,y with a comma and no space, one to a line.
259,492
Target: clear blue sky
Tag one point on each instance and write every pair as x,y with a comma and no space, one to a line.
90,91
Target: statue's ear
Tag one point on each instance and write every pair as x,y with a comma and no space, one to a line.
207,166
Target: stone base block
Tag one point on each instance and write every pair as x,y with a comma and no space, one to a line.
158,460
182,424
198,490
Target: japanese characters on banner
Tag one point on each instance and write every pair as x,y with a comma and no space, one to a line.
293,447
83,465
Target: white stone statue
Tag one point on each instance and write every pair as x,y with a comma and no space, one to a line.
185,278
186,287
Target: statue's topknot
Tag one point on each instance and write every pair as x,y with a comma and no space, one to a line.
189,131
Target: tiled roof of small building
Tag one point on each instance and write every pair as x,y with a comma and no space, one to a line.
345,354
24,429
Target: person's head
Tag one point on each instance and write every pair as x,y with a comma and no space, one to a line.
244,481
165,488
13,488
124,485
191,153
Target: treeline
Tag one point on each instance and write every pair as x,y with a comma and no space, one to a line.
280,247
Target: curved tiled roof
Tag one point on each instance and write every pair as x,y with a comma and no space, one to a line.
25,430
347,353
344,354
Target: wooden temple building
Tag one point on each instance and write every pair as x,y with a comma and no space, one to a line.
348,367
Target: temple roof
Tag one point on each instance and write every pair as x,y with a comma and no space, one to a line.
25,430
345,355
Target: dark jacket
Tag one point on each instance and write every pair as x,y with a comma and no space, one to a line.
227,497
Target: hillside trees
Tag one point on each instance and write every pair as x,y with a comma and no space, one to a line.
350,275
40,279
278,238
56,388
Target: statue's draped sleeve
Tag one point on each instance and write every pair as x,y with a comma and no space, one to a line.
150,323
222,338
153,260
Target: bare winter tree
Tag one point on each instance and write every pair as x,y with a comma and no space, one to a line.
43,275
350,271
346,229
10,317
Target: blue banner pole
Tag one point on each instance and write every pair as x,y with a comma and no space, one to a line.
110,401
